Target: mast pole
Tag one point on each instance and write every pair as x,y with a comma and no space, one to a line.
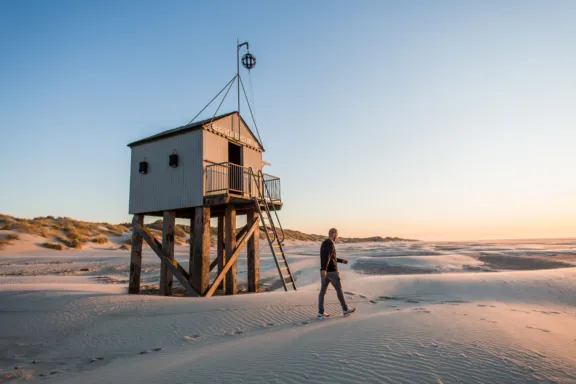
238,76
238,79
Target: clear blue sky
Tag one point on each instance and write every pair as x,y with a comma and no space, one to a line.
425,119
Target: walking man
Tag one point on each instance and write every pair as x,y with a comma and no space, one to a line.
329,274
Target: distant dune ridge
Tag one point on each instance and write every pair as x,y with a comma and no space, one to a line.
65,233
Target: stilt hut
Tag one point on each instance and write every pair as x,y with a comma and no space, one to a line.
202,170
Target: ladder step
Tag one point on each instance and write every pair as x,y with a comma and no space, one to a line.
290,283
283,268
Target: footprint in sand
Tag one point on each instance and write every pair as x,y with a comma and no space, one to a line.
538,329
95,359
304,322
517,310
490,321
362,296
238,332
412,301
547,312
373,302
350,293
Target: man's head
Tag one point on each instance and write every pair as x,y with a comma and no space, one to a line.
333,234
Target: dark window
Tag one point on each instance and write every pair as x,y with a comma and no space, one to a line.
143,168
173,161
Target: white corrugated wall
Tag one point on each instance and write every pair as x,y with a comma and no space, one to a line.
163,187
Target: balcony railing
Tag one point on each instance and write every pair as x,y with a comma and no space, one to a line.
232,179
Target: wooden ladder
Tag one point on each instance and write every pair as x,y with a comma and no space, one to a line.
270,228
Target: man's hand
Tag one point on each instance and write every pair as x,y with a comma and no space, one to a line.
323,274
344,261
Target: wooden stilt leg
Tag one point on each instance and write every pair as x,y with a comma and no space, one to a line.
221,248
166,279
253,253
230,225
200,251
136,257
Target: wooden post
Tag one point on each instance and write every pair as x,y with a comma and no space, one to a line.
177,270
230,225
200,250
253,253
136,256
166,279
232,259
221,248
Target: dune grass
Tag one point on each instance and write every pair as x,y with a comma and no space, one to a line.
100,240
69,232
7,240
57,247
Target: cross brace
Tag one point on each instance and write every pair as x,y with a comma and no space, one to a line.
175,267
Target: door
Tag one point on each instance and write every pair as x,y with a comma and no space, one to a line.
235,169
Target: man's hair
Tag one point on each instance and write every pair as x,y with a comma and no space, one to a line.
332,231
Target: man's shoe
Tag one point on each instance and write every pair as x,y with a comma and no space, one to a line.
323,315
349,311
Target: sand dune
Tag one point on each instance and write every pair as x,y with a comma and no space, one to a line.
448,326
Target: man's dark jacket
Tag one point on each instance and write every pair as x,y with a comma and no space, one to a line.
328,260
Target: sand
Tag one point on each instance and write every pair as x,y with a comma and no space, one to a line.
61,323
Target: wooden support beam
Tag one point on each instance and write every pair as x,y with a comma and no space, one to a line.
231,288
214,263
253,251
175,267
218,256
200,250
221,248
135,256
242,232
166,279
232,260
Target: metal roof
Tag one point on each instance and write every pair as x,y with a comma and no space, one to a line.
192,127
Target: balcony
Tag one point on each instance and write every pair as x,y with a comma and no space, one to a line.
240,183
